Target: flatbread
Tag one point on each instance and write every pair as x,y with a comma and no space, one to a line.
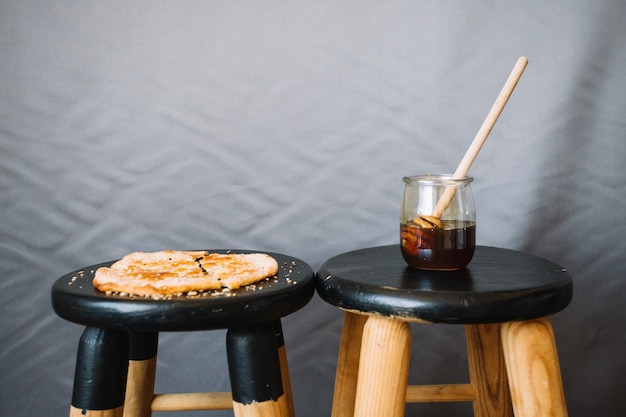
172,272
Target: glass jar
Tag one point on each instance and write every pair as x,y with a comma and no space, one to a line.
438,222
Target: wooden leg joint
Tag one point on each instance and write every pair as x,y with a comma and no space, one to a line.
533,369
513,369
255,371
384,368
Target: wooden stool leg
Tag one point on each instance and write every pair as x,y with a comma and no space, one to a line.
100,377
284,366
141,374
384,368
487,371
255,375
348,365
533,368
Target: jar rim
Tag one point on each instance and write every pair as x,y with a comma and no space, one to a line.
437,179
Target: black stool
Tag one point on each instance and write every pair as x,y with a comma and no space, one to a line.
116,362
502,298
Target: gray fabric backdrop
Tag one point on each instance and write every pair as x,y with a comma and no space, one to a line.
287,127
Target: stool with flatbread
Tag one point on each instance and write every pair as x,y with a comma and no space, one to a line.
117,352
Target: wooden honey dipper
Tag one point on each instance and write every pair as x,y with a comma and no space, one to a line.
477,143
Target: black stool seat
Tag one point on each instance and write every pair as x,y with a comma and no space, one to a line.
498,285
75,299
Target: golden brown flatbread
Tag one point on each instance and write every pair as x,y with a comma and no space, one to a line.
172,272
